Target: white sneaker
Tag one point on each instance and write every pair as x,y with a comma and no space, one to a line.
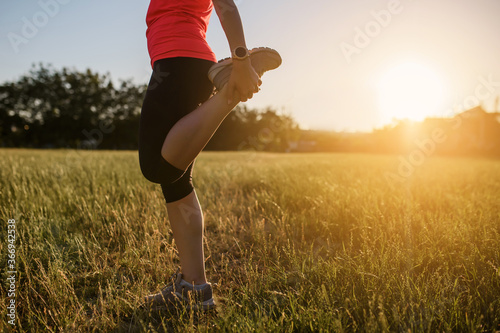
263,59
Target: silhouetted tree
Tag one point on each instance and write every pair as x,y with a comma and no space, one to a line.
65,108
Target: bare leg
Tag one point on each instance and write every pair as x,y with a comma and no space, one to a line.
186,220
190,134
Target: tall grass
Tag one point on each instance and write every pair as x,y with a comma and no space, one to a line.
294,243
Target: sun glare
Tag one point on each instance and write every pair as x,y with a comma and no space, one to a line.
409,91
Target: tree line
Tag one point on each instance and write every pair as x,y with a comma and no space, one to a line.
66,108
473,132
50,108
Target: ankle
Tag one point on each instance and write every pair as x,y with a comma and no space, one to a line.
194,280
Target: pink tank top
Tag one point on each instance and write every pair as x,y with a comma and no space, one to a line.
177,28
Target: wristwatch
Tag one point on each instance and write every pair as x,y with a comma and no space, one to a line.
240,53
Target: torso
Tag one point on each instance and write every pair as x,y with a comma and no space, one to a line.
177,28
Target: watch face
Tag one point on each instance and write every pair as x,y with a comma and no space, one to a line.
240,52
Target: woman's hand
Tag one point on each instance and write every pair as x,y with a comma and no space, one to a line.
243,83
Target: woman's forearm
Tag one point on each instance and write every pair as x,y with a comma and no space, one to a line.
231,22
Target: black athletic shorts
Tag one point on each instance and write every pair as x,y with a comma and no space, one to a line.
177,87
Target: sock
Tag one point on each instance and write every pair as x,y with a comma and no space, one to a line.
196,286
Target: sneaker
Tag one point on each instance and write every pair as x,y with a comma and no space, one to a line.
263,59
180,293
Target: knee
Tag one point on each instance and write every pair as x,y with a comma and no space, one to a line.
157,170
177,190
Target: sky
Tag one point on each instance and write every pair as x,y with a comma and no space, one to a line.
347,65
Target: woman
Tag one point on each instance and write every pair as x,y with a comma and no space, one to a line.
175,126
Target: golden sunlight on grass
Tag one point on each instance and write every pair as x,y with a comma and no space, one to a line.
294,243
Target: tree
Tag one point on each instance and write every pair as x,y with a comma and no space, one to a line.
68,108
65,108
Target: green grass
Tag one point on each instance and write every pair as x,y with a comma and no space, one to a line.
294,242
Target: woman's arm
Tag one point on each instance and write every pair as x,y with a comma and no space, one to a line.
244,81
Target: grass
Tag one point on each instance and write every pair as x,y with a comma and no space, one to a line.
294,242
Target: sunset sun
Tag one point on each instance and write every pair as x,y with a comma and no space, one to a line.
409,91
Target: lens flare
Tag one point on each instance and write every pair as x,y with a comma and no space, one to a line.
409,91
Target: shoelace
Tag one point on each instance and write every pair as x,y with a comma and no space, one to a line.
172,278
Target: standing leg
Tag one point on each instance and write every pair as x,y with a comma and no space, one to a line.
177,87
186,221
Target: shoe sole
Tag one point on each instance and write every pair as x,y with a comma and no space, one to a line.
263,59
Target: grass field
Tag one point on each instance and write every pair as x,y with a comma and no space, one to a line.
294,242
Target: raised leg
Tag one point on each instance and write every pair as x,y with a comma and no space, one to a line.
190,134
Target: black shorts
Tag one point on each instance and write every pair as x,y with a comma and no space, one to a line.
177,87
